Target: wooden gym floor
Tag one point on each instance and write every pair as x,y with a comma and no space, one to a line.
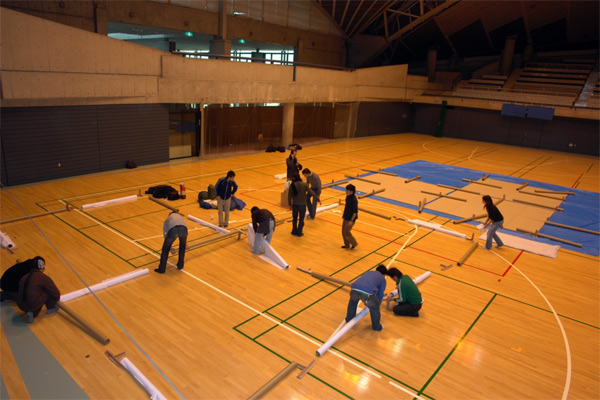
506,325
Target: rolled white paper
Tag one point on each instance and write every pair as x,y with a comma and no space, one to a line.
324,208
155,394
334,338
422,277
6,242
280,176
202,222
271,256
436,227
109,202
103,285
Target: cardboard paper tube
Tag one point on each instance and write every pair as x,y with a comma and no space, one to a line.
422,277
154,393
331,341
274,382
306,369
525,184
362,196
380,172
208,224
460,221
443,195
35,215
458,189
335,183
412,179
536,233
214,239
481,183
103,285
363,179
87,327
572,227
467,254
421,205
485,177
553,192
561,199
537,205
109,202
162,203
330,279
374,213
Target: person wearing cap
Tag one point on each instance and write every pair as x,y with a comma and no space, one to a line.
173,228
315,185
349,217
369,289
9,283
37,289
263,223
225,189
407,295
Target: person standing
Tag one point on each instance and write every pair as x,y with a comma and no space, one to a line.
349,217
369,289
293,165
263,223
225,189
315,185
173,228
297,196
407,296
9,283
495,219
37,289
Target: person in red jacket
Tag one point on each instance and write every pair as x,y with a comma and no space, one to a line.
37,289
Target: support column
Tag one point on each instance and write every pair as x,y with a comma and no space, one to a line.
431,63
507,56
287,134
220,45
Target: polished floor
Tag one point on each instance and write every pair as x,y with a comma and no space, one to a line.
506,324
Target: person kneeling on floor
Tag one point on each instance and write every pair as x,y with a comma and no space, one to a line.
37,289
407,297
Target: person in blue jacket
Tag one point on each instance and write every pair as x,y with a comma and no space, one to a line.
369,289
225,189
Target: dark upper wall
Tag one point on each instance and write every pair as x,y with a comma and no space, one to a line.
311,47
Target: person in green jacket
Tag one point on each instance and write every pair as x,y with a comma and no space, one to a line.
407,297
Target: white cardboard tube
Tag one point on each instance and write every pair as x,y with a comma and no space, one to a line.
202,222
341,332
324,208
436,227
155,394
103,285
109,202
417,280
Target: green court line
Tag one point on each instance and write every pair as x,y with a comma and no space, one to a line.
288,361
456,346
535,166
526,165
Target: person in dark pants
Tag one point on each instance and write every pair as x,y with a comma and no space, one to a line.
369,289
293,165
349,217
36,289
315,185
173,228
494,221
225,189
407,296
297,196
263,223
9,283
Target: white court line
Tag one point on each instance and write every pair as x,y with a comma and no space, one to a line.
560,325
473,152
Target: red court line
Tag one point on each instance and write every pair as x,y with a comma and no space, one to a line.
573,185
513,263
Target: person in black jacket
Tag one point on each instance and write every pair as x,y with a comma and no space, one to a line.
349,217
225,189
9,283
293,165
36,289
263,223
495,221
